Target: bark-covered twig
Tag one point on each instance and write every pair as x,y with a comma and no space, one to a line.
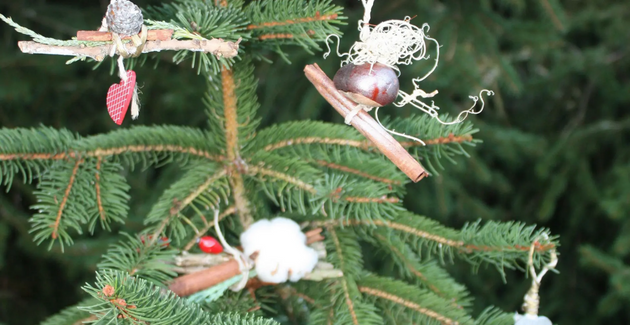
218,47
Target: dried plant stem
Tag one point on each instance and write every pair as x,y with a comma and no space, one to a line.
218,47
365,124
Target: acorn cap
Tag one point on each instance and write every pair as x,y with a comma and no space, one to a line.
371,85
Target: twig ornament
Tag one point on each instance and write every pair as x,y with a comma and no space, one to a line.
391,43
532,299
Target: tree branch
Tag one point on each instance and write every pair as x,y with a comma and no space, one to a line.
344,283
233,149
65,198
409,304
109,152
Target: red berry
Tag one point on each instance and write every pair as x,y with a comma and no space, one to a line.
371,85
210,245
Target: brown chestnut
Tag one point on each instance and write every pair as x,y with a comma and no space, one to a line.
371,85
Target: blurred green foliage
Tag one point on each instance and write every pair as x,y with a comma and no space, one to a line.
554,151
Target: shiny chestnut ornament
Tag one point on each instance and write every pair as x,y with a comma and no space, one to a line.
210,245
371,85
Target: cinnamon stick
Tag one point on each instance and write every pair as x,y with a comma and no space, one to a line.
188,284
366,125
96,36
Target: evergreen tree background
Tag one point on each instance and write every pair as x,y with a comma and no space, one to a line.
554,150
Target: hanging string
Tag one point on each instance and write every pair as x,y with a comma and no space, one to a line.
244,263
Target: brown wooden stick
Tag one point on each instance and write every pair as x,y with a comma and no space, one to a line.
365,124
96,36
218,47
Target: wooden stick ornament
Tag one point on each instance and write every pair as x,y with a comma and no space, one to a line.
369,77
122,22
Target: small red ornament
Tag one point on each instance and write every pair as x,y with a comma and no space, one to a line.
371,85
210,245
119,96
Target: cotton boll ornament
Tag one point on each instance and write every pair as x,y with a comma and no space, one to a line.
282,251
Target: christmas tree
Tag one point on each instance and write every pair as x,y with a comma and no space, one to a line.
359,190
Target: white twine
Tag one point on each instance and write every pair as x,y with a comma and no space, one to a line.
244,263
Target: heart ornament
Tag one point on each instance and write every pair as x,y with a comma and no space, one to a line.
119,96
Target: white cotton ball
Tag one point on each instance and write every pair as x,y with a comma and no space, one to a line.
282,250
253,239
270,268
531,320
290,230
303,262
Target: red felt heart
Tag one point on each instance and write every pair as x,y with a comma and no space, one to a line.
119,96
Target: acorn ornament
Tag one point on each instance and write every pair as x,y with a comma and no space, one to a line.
210,245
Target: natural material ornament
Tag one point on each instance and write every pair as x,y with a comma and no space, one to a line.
391,43
210,245
282,251
532,299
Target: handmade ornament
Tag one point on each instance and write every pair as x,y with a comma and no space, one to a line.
210,245
124,18
391,43
282,251
119,97
532,299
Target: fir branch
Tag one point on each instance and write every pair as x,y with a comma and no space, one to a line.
302,23
71,315
64,200
428,274
142,257
30,151
138,301
202,183
357,172
346,255
67,198
503,245
97,186
429,308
